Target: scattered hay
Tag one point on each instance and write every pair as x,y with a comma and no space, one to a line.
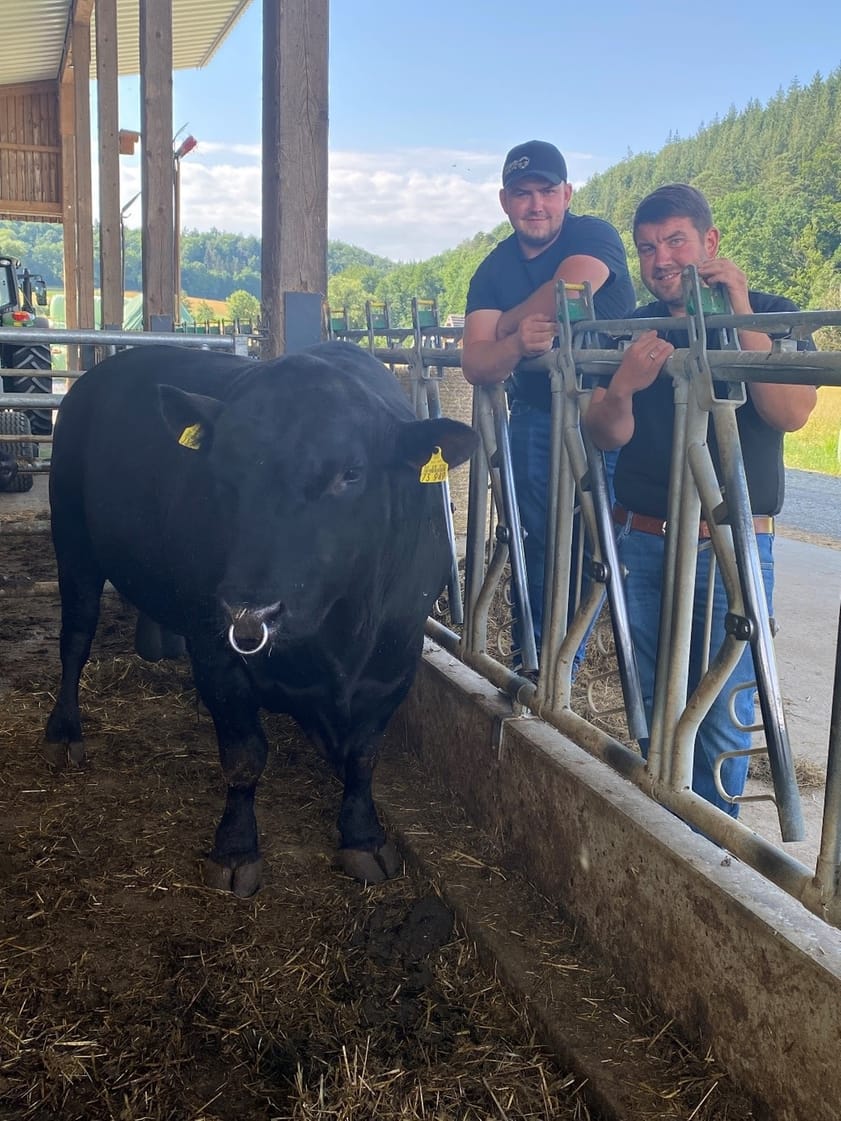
132,992
809,775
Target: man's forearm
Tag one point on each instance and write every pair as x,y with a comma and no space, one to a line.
784,407
487,362
609,419
540,302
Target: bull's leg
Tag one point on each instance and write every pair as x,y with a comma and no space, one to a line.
365,854
154,642
81,584
234,863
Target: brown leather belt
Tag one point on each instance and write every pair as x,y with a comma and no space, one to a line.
762,523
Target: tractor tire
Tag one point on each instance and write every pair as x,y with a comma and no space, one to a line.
33,356
14,481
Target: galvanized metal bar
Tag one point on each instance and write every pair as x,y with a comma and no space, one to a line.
24,401
519,689
562,634
455,603
828,873
476,549
769,322
555,682
676,719
490,416
657,756
626,657
754,607
67,337
514,530
672,761
802,367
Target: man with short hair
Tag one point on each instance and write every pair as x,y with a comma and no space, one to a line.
510,318
673,228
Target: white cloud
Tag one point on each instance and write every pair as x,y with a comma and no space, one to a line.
406,204
410,204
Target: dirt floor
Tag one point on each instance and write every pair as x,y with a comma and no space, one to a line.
131,992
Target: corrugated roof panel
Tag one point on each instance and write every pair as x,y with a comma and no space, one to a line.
32,35
198,29
32,40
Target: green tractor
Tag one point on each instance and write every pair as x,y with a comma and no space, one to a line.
21,294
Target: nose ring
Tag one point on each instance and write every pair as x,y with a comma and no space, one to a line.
264,638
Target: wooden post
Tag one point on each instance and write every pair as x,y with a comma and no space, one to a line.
156,162
67,117
81,37
295,120
110,263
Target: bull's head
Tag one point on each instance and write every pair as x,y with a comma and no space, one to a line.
308,484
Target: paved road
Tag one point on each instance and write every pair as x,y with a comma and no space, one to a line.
807,602
812,504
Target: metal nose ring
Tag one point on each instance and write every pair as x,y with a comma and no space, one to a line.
264,638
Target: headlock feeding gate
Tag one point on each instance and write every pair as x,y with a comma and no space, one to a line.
666,904
714,933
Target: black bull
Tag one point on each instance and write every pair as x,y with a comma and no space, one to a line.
272,513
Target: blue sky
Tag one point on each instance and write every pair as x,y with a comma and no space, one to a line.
426,99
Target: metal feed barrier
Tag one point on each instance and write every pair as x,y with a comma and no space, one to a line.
494,539
94,346
426,350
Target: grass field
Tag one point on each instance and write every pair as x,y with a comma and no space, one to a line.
817,446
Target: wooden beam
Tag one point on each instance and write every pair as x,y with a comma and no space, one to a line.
80,12
107,103
28,89
84,237
42,149
67,124
295,120
158,243
25,211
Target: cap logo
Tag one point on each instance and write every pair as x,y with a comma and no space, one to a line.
515,165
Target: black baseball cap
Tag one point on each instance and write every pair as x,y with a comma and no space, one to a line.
535,157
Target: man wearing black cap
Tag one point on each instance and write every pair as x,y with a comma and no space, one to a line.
510,317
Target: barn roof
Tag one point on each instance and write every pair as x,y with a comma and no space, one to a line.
34,35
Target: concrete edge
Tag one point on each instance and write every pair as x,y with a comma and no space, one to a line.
729,955
572,1001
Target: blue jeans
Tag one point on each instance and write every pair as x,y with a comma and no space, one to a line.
529,432
642,556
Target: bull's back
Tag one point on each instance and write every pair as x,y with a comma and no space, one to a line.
117,469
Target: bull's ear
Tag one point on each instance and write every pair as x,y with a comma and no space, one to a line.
190,417
418,440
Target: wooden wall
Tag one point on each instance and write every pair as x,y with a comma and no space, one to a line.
30,153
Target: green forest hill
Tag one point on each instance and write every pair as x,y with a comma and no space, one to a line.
772,174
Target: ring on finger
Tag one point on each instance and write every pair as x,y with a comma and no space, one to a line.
652,356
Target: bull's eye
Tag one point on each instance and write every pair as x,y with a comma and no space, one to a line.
345,479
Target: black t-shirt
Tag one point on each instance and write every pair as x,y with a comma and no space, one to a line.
642,470
506,278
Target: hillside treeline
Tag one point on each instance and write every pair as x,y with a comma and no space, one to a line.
773,177
213,264
772,174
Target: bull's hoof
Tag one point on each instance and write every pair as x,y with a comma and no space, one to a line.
244,880
370,867
61,756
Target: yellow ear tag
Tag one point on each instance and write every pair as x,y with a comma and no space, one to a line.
435,468
191,437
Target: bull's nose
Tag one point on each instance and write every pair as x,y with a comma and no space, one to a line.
248,632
